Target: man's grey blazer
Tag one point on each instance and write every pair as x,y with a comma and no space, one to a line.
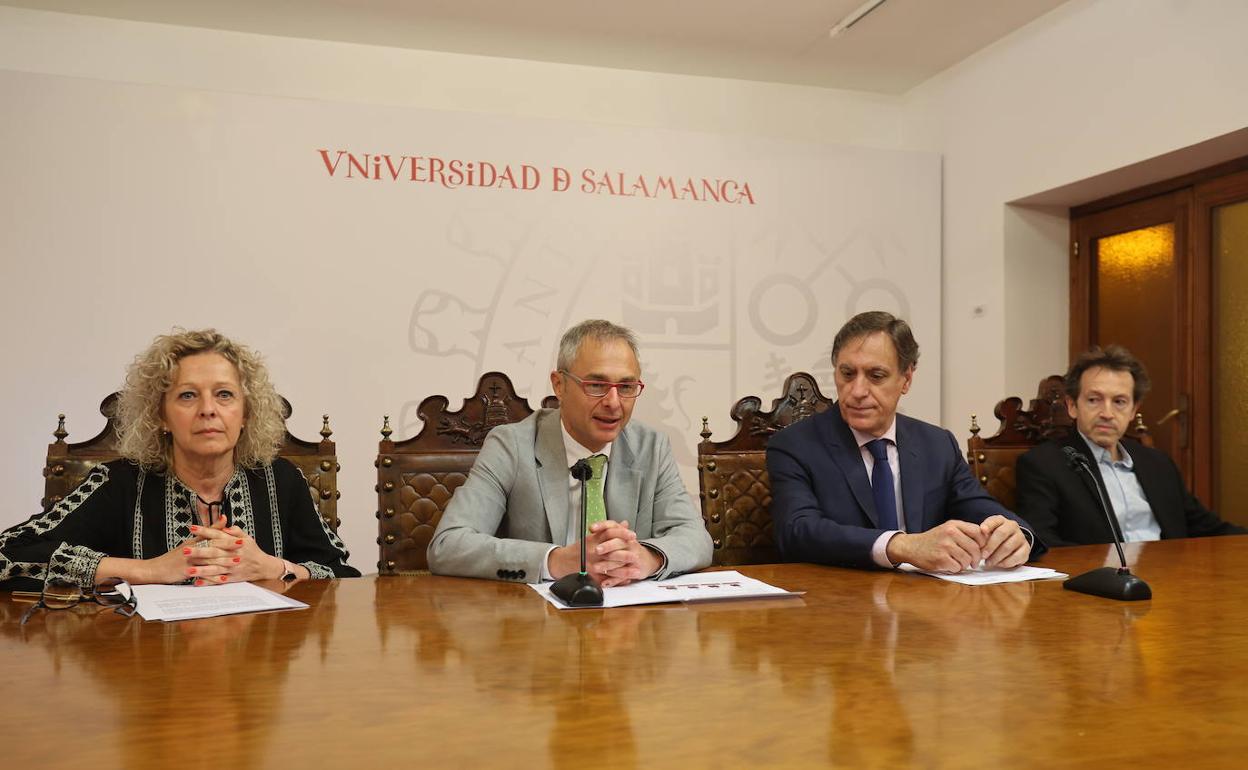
515,503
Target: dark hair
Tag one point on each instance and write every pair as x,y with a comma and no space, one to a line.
874,321
1113,357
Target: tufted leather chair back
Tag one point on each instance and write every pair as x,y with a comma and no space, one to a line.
993,459
68,464
732,475
416,478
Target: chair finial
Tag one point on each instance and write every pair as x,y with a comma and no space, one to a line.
60,431
325,431
385,428
1139,428
706,430
974,425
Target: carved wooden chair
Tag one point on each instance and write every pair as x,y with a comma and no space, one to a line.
68,464
416,478
992,459
732,475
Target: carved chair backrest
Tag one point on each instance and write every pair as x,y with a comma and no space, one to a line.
734,487
416,478
993,459
68,464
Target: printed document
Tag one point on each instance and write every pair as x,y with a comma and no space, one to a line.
168,603
984,576
695,587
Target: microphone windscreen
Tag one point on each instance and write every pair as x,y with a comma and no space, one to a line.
1073,458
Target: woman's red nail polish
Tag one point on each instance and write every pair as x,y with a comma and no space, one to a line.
186,551
191,571
238,542
199,582
223,578
194,528
237,559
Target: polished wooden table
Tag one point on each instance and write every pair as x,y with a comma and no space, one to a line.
869,669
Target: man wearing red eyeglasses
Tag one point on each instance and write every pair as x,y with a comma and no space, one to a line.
517,517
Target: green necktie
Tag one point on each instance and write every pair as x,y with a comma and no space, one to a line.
595,506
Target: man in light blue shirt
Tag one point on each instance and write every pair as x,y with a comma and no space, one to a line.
1124,493
1143,486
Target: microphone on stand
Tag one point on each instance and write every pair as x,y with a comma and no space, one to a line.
1108,582
578,589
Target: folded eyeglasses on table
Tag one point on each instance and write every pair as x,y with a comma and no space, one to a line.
59,595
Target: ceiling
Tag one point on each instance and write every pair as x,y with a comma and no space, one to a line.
896,47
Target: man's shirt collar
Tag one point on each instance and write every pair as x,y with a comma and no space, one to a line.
1102,454
574,451
864,438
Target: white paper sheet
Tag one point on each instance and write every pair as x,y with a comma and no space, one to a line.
169,603
984,576
702,586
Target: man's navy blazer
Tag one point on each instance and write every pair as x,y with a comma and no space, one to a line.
821,502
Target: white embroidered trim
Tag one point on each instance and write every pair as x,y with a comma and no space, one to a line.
74,564
181,511
48,521
136,542
238,492
275,523
317,571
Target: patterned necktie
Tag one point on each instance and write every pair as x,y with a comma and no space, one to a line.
882,484
595,505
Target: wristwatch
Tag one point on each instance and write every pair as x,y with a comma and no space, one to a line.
289,575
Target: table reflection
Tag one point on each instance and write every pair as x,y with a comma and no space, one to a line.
227,674
580,666
868,669
878,672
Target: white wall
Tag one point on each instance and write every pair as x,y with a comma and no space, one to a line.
1090,87
1093,86
33,41
145,160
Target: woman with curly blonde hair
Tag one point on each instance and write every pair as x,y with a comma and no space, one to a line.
200,495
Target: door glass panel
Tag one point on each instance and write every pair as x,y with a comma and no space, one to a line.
1230,354
1135,307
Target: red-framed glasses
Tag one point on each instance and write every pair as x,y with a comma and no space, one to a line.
599,388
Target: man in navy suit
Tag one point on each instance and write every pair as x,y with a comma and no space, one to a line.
861,486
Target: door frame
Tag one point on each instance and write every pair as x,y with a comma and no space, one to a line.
1174,207
1192,198
1230,188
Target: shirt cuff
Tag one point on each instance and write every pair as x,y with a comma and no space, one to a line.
879,550
546,576
74,565
662,570
316,571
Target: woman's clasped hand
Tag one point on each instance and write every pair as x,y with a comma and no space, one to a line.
216,555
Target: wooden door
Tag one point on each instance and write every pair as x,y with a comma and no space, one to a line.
1220,273
1131,284
1164,271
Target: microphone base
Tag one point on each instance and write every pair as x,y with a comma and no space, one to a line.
577,590
1110,583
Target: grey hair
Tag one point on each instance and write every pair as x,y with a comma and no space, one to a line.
874,321
592,329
